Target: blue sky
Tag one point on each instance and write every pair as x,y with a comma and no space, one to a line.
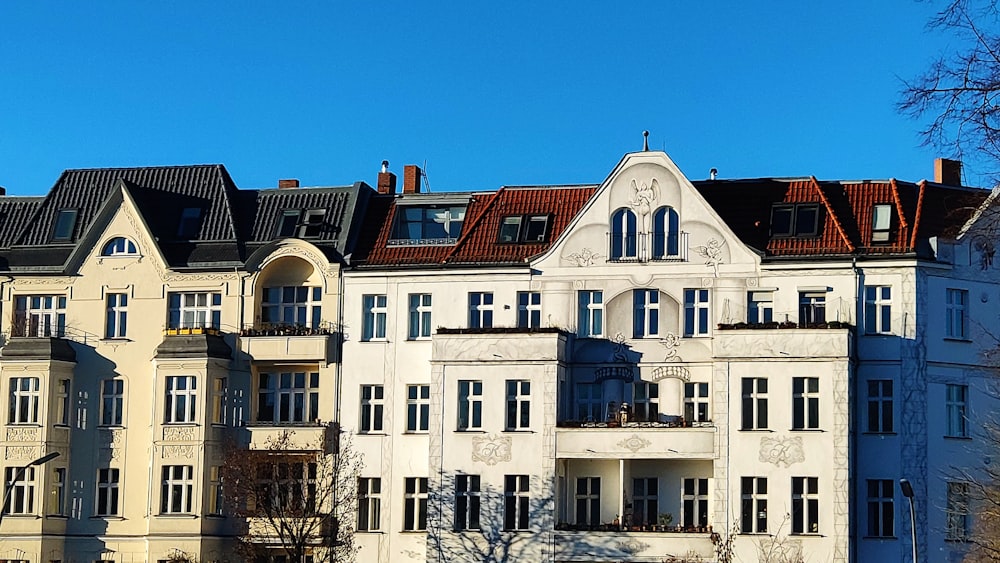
487,94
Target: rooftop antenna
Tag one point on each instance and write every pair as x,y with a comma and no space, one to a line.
423,176
645,141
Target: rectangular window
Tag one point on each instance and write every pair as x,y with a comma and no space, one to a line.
696,402
537,229
646,401
480,310
24,392
805,505
695,502
753,505
65,222
754,403
518,404
107,492
878,309
420,316
288,222
195,310
369,504
589,402
189,223
645,501
880,406
216,499
418,407
112,401
375,312
696,313
467,502
956,322
588,500
800,219
57,503
182,396
176,493
220,400
288,397
427,225
805,403
957,511
299,306
62,402
39,316
20,490
529,309
956,404
782,220
881,222
645,313
415,504
812,308
510,229
372,408
881,514
312,223
760,307
591,314
470,405
117,315
516,502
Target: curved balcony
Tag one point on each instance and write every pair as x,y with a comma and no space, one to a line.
290,342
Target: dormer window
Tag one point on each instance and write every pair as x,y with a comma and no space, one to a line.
524,228
301,223
65,222
190,223
439,224
795,220
119,246
881,222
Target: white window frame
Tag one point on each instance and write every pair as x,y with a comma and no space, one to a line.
753,495
591,313
288,391
220,400
414,504
805,403
645,401
292,305
375,315
216,497
529,309
470,404
181,404
418,408
694,501
878,309
468,502
116,325
646,313
369,504
957,516
108,491
760,307
518,413
805,505
118,247
812,308
113,401
697,313
880,406
881,508
40,315
957,313
177,490
696,401
587,501
956,410
21,492
516,502
194,309
480,309
63,389
754,404
645,501
421,309
372,409
57,504
24,395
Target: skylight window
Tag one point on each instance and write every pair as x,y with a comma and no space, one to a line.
881,222
524,228
427,224
795,220
190,223
302,223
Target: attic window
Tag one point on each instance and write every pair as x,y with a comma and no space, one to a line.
65,221
301,223
119,246
524,228
190,222
795,220
881,222
439,224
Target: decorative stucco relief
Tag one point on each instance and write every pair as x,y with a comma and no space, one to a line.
634,443
644,196
317,260
672,372
781,451
632,547
670,341
178,451
585,257
21,452
491,449
19,434
182,434
44,281
711,251
752,282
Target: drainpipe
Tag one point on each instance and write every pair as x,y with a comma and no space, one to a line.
852,486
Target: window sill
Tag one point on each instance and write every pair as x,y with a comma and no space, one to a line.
57,516
470,431
185,516
518,431
969,438
215,517
111,426
114,340
23,516
807,430
893,538
378,340
875,433
879,334
379,532
756,430
409,532
755,534
807,535
114,517
957,339
416,433
372,434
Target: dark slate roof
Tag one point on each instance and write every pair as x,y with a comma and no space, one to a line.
14,215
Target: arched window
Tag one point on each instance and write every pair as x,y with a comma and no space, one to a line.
119,246
665,233
623,234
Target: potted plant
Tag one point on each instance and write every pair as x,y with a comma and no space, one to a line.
665,519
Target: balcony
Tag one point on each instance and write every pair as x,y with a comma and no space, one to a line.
787,340
647,247
193,342
285,342
615,544
635,440
300,436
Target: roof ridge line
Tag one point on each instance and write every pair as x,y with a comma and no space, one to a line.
833,214
920,206
899,204
471,228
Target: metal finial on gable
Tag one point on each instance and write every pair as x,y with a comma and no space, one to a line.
645,141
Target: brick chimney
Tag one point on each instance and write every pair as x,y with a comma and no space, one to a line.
386,180
289,184
411,179
948,172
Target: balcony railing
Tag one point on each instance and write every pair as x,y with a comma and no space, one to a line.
783,325
285,329
665,422
647,247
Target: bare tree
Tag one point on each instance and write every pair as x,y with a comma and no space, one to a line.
959,90
296,499
979,496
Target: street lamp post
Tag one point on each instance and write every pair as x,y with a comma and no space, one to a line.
19,474
904,485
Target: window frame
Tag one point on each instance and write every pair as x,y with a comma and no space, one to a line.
812,308
468,502
518,411
415,504
529,309
372,409
760,307
805,403
957,516
881,417
24,400
292,305
645,401
666,234
878,309
956,410
470,405
694,501
375,313
590,313
205,312
805,506
418,408
697,313
421,309
645,501
881,233
646,313
587,500
880,501
189,224
64,225
181,403
116,317
480,309
20,498
369,504
113,401
956,313
119,247
108,492
697,406
753,503
754,403
517,502
64,389
40,315
177,489
288,391
624,237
